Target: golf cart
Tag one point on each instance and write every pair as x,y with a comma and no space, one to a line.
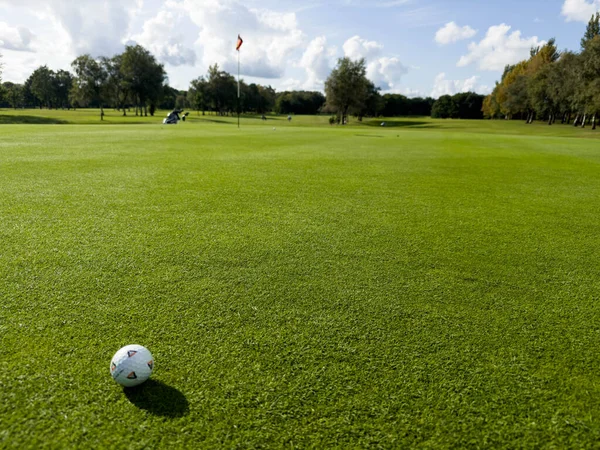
175,116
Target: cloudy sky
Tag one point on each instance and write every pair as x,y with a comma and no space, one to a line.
414,47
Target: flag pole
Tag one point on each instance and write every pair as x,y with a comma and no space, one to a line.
238,47
238,102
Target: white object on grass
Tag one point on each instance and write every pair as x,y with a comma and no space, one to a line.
132,365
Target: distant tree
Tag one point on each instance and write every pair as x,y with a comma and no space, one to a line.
491,108
588,92
395,105
592,30
561,84
63,83
222,91
198,96
43,86
143,76
116,87
299,102
373,104
89,87
469,105
516,100
1,66
539,94
171,98
13,94
267,99
29,99
181,101
347,87
445,108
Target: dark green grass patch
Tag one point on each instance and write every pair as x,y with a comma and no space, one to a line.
29,120
304,287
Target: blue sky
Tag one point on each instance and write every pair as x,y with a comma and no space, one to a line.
415,47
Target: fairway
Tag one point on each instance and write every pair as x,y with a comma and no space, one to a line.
429,284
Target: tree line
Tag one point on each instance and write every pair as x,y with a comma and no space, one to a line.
131,79
552,85
135,80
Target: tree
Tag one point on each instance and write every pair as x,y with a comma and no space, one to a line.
29,99
592,30
491,107
562,83
43,86
347,87
373,104
143,76
516,100
539,94
444,108
512,96
469,105
299,102
222,90
13,94
63,83
90,82
588,92
1,66
171,98
266,101
198,94
394,105
116,88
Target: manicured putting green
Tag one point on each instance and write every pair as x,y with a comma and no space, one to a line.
428,284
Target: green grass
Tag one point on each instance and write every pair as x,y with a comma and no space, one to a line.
429,284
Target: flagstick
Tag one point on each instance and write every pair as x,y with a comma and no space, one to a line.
238,108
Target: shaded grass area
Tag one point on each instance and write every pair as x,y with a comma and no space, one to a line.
29,120
396,123
113,117
307,287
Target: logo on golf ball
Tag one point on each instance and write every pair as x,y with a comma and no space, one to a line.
132,365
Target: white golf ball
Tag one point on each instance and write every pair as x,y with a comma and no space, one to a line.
132,365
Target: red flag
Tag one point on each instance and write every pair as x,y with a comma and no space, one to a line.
239,43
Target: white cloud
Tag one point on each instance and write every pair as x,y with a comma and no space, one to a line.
451,33
499,48
443,86
164,36
376,3
356,48
411,93
317,61
15,38
291,84
269,36
384,71
94,27
180,32
580,10
406,91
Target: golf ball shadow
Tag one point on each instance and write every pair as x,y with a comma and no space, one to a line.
158,398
